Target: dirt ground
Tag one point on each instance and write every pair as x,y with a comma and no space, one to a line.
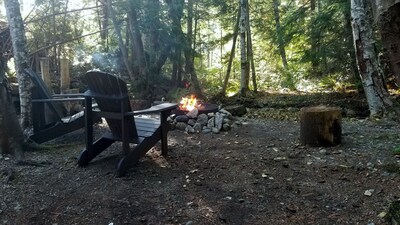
257,173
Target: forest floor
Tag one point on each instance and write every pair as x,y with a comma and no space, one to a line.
255,174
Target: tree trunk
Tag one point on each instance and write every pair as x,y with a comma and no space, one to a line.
250,55
232,55
389,25
139,61
121,44
153,37
367,59
244,63
189,52
320,126
281,44
315,37
11,136
175,12
18,39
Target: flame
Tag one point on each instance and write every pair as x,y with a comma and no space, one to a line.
188,103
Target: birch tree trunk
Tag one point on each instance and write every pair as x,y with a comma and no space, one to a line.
11,136
250,55
18,39
244,65
367,59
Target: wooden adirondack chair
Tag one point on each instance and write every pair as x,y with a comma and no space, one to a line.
111,95
49,114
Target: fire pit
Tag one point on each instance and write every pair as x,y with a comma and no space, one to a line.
188,104
193,116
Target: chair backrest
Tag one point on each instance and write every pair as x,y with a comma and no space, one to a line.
111,95
42,92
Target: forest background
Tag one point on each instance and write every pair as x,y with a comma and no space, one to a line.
297,45
168,49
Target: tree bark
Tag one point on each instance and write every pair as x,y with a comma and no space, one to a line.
175,12
121,44
139,61
389,25
18,39
281,44
250,55
320,126
152,41
367,59
11,136
232,55
244,63
189,52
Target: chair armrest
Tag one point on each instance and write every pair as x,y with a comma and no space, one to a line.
154,109
76,95
58,100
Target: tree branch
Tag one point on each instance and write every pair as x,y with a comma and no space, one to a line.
66,41
60,13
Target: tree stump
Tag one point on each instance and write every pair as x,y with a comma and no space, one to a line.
320,126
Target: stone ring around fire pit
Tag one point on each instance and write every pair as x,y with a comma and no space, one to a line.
205,118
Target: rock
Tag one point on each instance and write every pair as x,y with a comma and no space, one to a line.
211,123
202,119
239,123
206,130
193,113
219,118
197,127
236,110
226,127
260,105
225,112
350,112
182,118
226,120
215,130
189,129
189,223
191,122
181,126
369,192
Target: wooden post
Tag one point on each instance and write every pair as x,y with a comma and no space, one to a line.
320,126
44,68
64,70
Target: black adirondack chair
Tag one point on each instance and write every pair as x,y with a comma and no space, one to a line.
49,114
111,95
